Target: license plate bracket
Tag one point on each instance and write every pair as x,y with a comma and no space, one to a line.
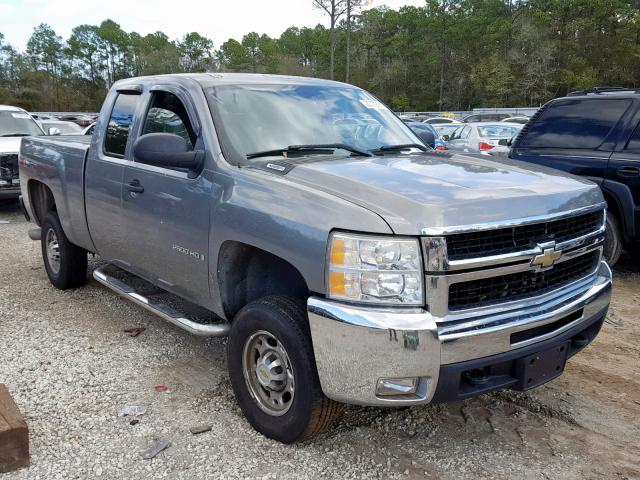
540,367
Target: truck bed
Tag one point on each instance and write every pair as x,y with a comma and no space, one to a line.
59,162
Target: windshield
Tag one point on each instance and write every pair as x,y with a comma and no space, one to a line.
259,118
17,124
498,131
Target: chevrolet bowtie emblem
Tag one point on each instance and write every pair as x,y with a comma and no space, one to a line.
547,258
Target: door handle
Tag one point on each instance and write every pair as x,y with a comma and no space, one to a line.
628,171
134,186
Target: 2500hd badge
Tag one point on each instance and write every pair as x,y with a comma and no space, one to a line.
186,251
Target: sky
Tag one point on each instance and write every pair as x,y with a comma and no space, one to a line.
218,20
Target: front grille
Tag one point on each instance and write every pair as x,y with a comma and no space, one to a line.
9,167
520,285
514,239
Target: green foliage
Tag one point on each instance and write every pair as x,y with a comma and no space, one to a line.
401,103
75,75
195,52
448,54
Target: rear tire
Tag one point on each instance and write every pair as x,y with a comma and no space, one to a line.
286,402
65,263
613,240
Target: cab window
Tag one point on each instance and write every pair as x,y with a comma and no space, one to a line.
167,114
124,109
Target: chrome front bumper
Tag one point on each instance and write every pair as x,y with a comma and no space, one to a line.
356,346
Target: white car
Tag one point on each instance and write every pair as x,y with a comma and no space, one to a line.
488,138
15,123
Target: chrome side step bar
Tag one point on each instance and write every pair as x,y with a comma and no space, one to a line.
158,307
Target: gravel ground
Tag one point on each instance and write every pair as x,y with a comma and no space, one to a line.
69,365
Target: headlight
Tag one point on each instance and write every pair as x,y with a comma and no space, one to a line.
382,270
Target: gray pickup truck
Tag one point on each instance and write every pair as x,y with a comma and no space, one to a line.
304,220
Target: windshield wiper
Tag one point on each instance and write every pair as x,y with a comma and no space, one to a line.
319,148
15,135
397,148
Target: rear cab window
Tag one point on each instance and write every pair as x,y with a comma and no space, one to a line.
575,123
119,127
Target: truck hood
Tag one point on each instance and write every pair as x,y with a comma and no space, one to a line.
427,193
10,144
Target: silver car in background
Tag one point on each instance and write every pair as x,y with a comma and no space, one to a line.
488,138
445,130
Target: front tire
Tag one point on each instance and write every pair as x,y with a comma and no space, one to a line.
613,240
273,373
65,263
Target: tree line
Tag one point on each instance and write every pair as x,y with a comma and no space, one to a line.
445,55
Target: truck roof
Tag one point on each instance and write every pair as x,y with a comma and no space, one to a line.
214,79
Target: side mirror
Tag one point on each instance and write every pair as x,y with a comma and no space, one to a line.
166,150
510,141
53,131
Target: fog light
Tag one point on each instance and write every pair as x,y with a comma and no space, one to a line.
387,387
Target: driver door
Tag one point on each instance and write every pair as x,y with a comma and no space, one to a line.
166,210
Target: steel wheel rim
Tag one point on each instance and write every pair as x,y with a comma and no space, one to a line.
268,373
53,250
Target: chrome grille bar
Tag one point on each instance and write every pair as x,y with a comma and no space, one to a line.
442,273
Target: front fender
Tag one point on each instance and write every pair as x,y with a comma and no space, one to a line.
286,219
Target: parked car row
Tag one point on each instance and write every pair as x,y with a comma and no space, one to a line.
64,124
473,118
82,120
483,137
60,127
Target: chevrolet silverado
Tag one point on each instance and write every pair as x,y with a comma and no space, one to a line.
345,262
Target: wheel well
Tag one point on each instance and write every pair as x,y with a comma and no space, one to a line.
41,200
247,273
614,209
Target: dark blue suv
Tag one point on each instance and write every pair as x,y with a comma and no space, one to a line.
595,134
